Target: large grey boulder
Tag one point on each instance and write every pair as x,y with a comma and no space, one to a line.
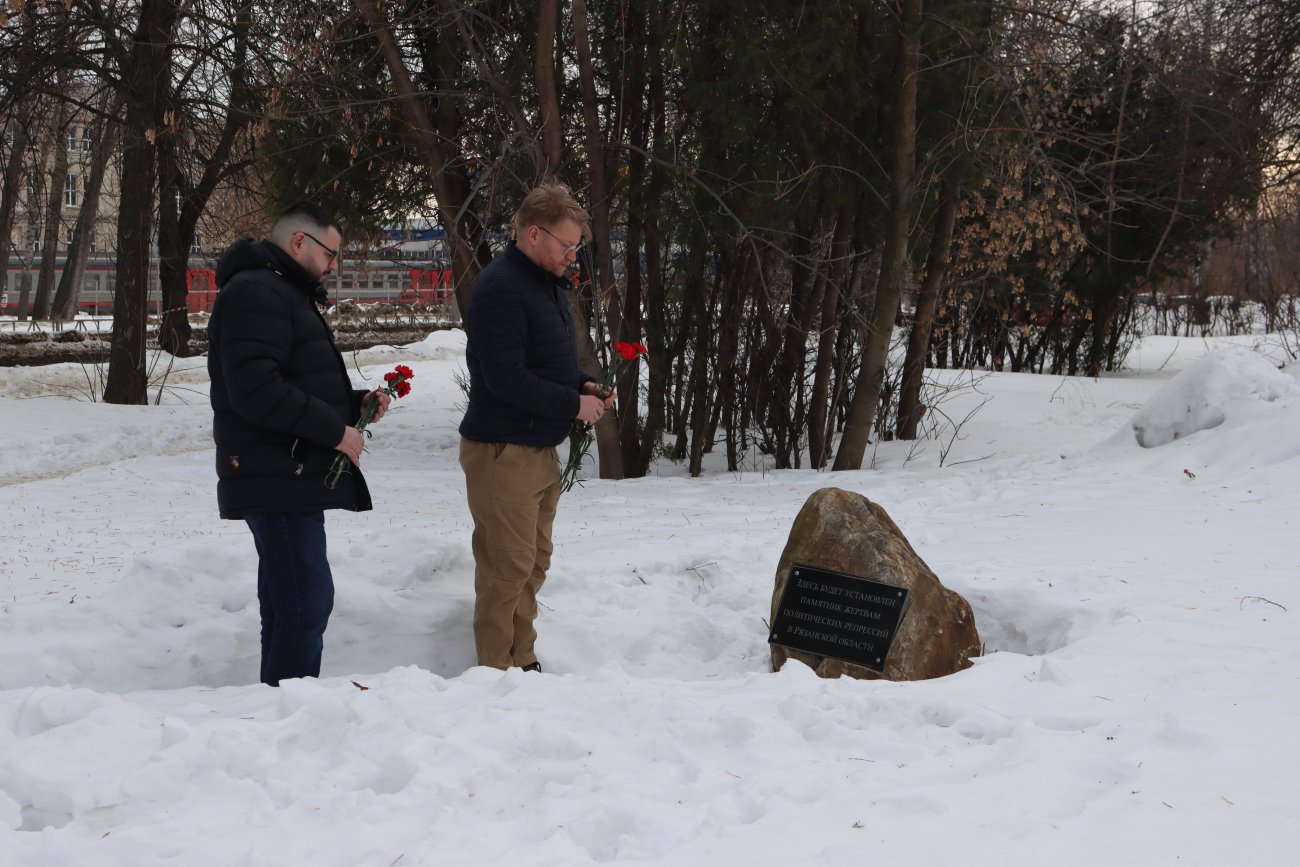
845,532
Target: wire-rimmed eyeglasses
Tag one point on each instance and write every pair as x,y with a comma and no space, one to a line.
569,249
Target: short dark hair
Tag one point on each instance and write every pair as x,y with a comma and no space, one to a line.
306,217
312,213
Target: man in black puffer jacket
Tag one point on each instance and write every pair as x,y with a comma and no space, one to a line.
283,407
525,390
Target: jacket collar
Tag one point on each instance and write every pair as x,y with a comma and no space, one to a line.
283,264
521,259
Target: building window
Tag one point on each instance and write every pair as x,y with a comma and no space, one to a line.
74,138
72,191
196,246
87,139
94,242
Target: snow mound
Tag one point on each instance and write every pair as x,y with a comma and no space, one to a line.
442,345
1232,387
438,346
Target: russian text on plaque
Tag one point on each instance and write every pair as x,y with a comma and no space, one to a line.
840,616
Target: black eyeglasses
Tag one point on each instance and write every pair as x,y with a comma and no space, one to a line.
571,248
334,254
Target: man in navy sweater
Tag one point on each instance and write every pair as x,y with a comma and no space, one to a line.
525,392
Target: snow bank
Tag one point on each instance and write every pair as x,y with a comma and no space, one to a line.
1231,387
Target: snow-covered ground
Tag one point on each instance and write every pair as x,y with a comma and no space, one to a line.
1138,702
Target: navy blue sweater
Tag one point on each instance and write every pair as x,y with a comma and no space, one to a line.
524,380
280,393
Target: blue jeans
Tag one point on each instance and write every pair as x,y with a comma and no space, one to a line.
295,590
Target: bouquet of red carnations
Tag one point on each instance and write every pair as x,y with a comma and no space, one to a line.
581,436
396,385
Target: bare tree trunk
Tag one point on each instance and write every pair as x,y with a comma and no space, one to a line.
607,435
910,409
784,376
698,418
469,253
74,267
1103,317
740,261
548,94
53,215
631,105
173,253
606,430
127,381
893,266
657,335
183,202
13,179
26,280
127,378
819,401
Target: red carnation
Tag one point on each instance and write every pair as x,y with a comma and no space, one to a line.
397,386
580,436
629,351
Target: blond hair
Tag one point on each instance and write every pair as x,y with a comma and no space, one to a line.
548,204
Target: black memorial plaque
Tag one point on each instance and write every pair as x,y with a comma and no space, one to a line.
837,615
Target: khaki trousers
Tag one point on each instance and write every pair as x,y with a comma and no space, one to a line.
513,492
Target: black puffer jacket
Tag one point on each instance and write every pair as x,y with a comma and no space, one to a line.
524,380
281,396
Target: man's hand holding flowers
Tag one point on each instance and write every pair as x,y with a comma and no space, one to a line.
373,407
594,399
351,445
604,392
353,442
380,400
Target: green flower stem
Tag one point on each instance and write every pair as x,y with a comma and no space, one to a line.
581,436
579,442
341,463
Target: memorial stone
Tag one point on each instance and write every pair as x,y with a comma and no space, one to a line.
842,532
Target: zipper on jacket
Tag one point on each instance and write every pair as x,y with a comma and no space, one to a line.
293,456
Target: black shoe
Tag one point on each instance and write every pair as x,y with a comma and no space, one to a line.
533,666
